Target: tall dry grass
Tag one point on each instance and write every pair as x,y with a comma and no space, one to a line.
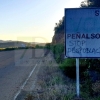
51,83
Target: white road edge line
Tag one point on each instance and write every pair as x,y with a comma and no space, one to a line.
32,87
24,83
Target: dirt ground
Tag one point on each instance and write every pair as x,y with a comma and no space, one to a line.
49,83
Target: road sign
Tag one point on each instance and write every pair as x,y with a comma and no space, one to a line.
82,32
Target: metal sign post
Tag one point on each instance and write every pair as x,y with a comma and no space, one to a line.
77,77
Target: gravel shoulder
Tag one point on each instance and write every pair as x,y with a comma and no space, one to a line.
47,82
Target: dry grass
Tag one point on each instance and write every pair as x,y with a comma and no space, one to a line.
52,84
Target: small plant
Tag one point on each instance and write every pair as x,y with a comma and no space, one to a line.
87,85
68,97
29,97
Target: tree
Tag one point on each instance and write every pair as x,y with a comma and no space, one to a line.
59,26
90,3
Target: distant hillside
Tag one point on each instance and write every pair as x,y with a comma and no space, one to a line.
1,41
11,44
8,44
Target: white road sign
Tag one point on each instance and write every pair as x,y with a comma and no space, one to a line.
82,32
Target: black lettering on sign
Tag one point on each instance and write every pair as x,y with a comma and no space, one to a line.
96,12
77,43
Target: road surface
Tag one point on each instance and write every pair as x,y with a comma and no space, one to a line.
16,69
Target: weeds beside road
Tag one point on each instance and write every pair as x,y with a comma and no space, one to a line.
51,83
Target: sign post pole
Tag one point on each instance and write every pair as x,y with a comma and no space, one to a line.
77,77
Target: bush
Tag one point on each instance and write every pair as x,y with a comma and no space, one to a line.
58,52
69,67
87,84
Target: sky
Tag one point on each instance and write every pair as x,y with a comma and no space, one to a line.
32,20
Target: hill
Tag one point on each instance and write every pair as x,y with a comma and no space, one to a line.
16,44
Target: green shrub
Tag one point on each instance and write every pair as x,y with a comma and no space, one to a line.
58,52
87,84
69,67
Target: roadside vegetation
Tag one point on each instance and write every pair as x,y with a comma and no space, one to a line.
51,83
58,83
89,70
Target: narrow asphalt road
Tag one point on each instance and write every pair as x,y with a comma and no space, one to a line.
16,67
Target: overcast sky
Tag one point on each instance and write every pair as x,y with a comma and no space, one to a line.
32,20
